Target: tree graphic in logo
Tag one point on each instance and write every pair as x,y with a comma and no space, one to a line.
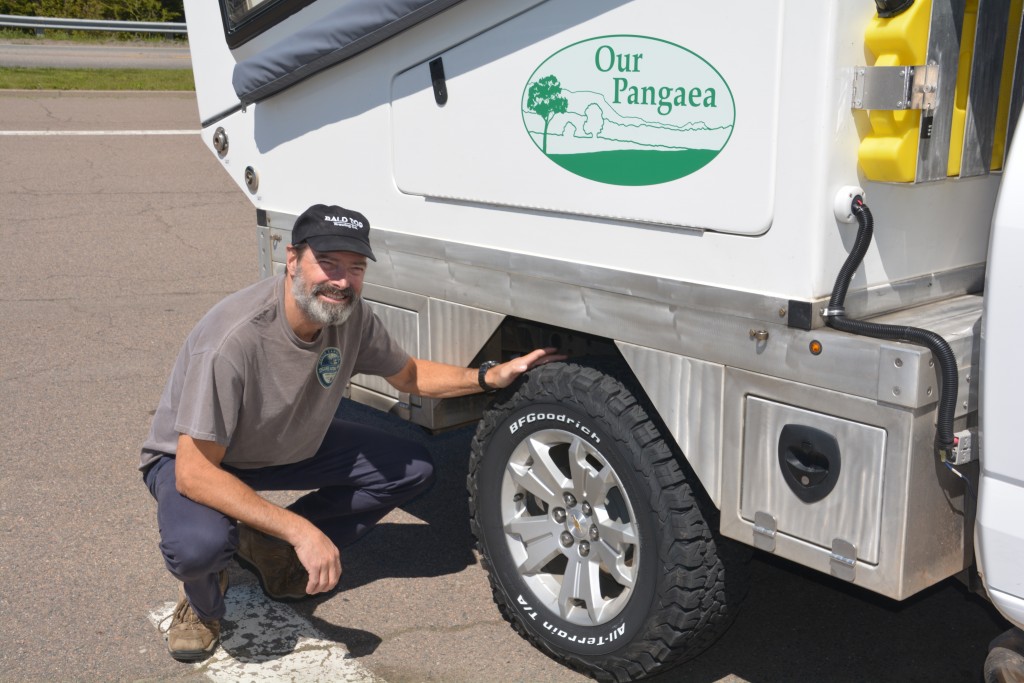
545,99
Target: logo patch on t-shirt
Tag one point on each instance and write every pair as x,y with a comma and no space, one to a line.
327,366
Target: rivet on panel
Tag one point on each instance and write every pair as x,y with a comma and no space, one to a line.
252,179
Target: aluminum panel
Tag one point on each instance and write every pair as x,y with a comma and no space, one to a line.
944,51
983,99
457,333
1017,94
923,528
687,393
852,511
683,318
263,259
403,325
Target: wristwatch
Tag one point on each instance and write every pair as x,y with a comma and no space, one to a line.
481,375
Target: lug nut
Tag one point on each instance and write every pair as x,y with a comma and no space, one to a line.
559,515
584,548
594,533
570,500
586,508
566,538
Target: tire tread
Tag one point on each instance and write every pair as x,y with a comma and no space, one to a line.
691,606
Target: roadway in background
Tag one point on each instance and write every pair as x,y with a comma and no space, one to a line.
114,246
114,55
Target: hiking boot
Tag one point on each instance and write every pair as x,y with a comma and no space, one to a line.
189,638
274,563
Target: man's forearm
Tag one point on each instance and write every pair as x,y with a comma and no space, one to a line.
439,380
207,483
200,477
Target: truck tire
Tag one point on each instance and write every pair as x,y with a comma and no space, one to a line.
595,546
1005,661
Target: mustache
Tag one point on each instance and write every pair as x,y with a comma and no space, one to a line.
333,292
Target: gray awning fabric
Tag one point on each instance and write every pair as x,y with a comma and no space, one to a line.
355,26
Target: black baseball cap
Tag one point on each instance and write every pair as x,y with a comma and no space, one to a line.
333,228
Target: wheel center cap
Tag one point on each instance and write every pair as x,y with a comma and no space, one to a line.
578,524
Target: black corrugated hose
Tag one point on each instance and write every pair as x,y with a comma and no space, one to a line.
835,317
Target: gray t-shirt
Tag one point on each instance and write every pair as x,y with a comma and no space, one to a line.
245,380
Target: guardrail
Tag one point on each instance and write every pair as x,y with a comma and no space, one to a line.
42,23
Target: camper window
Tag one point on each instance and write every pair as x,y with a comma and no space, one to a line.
245,19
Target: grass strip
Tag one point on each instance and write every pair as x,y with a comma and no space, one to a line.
28,35
31,78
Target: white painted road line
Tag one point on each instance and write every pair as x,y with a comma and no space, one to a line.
97,132
268,642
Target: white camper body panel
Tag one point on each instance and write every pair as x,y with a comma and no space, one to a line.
351,133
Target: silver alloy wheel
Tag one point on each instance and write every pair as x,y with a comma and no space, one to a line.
570,527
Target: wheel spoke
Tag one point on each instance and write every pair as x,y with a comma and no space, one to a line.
617,533
539,553
614,562
543,479
581,583
598,484
582,471
530,528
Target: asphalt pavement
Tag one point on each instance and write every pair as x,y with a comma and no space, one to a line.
114,245
68,55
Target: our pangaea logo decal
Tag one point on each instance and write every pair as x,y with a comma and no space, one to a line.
628,110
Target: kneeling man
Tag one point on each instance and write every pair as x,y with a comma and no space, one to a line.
250,406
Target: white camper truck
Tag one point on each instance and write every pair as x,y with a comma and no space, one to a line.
762,230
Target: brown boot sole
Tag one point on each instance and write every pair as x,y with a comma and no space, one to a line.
193,655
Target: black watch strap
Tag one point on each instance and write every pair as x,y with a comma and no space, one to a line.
481,375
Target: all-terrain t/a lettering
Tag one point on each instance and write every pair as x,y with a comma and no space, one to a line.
526,608
562,633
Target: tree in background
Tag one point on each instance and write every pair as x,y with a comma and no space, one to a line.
141,10
119,10
23,8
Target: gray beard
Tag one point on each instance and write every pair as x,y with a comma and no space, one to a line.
318,310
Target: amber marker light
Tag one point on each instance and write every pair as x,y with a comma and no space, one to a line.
815,347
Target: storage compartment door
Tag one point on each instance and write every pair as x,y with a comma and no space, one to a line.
851,510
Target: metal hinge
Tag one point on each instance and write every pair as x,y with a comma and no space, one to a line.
843,560
765,528
895,88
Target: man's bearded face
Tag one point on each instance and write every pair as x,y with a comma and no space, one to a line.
319,310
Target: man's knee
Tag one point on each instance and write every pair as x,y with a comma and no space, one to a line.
199,551
420,472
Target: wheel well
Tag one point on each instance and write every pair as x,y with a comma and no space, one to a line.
517,336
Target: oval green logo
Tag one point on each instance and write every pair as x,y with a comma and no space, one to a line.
628,110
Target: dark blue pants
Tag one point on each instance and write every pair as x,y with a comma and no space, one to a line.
360,474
